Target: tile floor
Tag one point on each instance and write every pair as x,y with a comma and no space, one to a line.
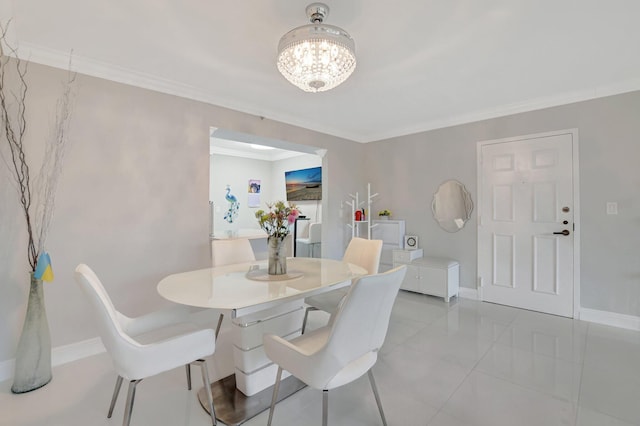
466,364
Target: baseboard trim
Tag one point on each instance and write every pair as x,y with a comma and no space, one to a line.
60,355
613,319
468,293
6,369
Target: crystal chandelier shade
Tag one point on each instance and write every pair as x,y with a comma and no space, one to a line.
316,57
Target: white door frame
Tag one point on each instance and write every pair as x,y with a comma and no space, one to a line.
576,206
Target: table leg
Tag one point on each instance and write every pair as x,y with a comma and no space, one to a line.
245,394
234,408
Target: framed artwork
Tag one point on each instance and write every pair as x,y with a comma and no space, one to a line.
254,193
304,185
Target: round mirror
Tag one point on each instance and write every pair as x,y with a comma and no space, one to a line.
452,206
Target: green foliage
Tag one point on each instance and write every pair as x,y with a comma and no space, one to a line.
276,220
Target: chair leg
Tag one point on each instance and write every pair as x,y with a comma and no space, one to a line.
274,398
377,396
188,367
131,394
207,384
219,325
325,407
116,391
306,315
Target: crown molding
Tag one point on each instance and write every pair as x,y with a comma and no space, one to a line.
95,68
515,108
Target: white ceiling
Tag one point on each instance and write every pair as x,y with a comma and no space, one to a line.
235,148
422,64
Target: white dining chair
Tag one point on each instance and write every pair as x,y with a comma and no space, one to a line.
346,348
361,252
134,357
229,252
313,239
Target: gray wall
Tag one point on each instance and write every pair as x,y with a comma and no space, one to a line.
406,171
133,198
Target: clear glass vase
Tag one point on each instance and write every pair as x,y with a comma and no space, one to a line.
277,256
33,357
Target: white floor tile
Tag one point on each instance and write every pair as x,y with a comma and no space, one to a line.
549,375
463,364
444,419
484,400
613,350
589,417
428,379
462,349
614,393
549,335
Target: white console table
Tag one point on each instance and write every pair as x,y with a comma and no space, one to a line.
435,276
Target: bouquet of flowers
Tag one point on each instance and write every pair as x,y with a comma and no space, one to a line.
275,222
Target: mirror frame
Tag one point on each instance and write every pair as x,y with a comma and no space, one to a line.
452,224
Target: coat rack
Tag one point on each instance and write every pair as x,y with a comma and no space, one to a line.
356,205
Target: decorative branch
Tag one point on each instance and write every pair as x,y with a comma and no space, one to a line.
13,108
47,181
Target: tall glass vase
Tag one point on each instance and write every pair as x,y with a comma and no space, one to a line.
33,357
277,256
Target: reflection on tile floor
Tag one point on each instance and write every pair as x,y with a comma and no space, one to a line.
463,364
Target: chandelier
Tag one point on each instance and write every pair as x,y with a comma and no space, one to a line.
316,57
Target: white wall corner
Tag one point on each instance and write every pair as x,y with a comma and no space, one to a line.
613,319
60,355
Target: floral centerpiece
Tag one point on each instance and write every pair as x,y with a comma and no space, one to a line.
275,222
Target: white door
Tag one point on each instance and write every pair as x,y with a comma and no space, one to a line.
526,223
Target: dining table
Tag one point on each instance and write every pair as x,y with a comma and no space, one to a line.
257,303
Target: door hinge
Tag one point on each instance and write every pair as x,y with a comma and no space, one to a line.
480,282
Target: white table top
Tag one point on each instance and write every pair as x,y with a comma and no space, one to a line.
229,288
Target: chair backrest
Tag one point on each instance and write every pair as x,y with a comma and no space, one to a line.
229,252
358,331
364,253
361,322
315,233
111,332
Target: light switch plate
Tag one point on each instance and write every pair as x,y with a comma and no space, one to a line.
612,207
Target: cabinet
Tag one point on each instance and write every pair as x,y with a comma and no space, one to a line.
435,276
391,232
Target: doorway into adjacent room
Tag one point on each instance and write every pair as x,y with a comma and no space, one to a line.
251,170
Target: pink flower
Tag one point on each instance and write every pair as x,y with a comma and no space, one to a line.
277,219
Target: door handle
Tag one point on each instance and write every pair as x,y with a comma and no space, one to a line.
563,232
